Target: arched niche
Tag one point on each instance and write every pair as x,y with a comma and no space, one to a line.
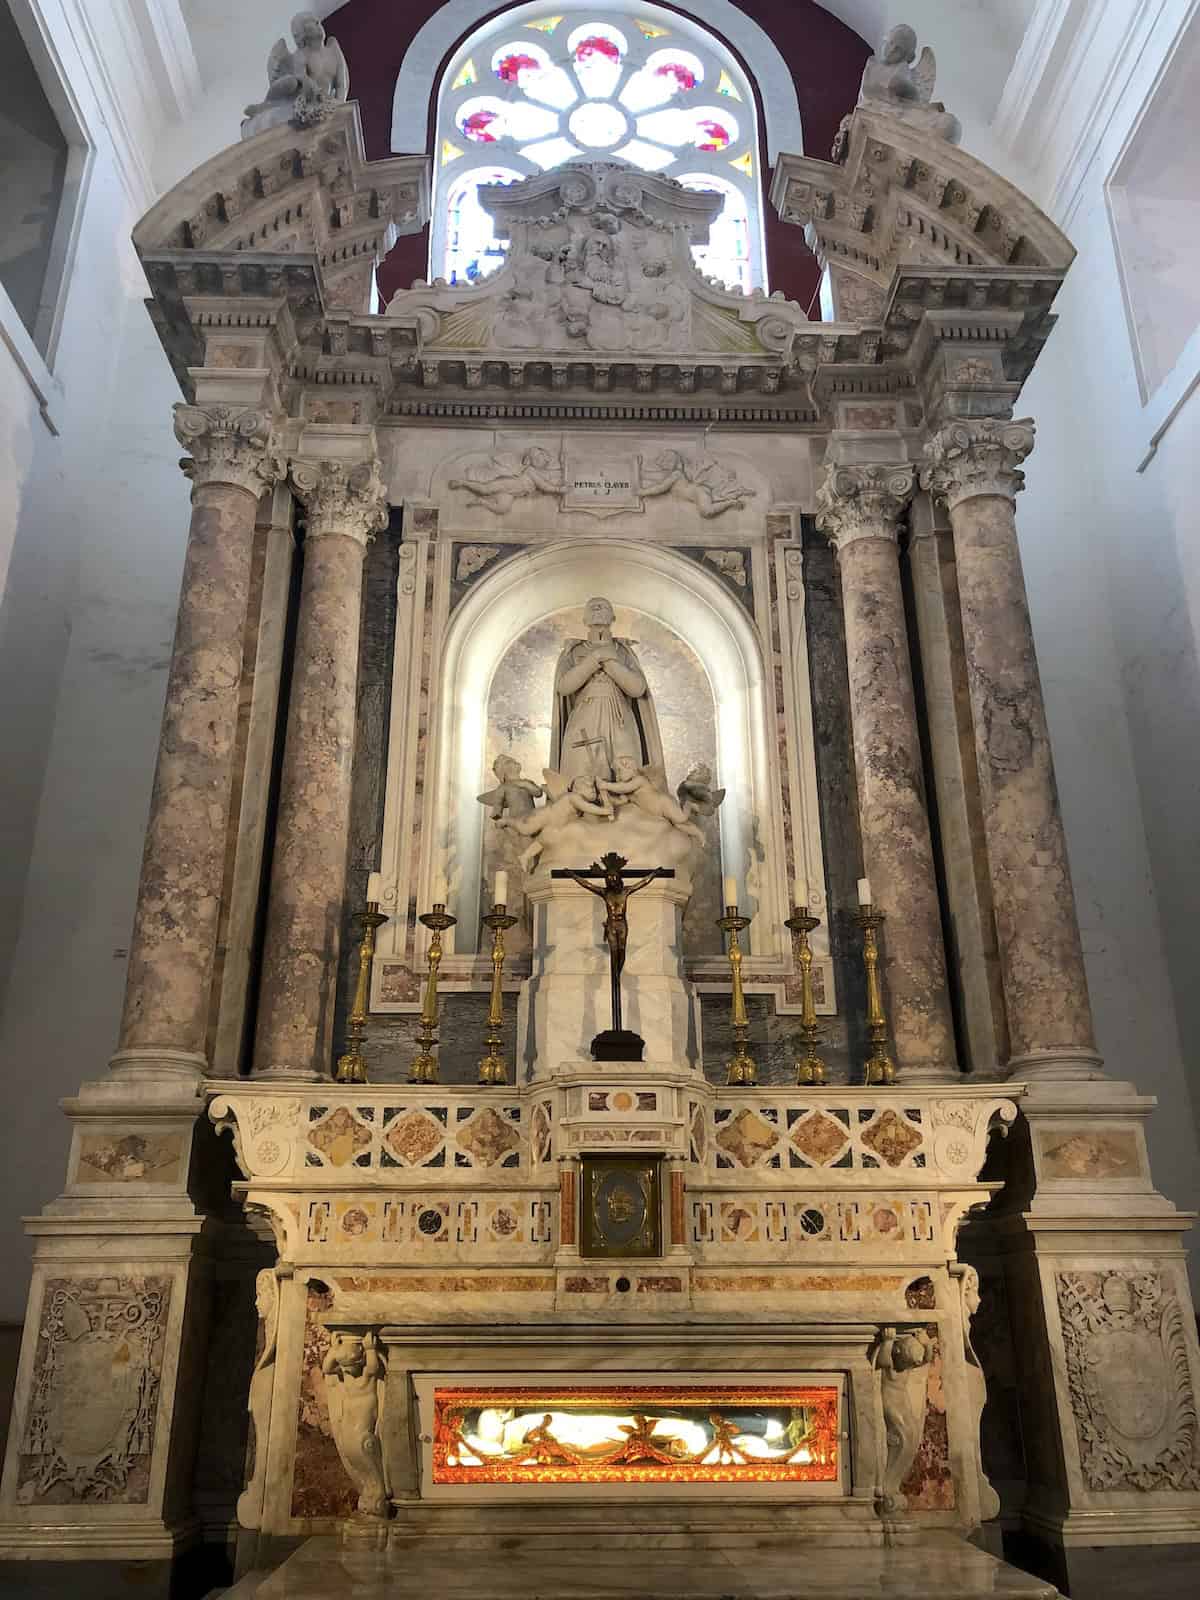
676,592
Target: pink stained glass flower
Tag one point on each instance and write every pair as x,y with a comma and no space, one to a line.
684,77
597,45
478,126
711,136
510,68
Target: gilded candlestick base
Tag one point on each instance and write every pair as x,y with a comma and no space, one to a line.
879,1067
425,1068
352,1066
493,1069
810,1068
741,1072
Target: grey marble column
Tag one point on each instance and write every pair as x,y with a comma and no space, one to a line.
168,985
974,468
346,504
859,508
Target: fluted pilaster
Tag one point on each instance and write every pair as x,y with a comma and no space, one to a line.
345,505
859,508
232,460
974,467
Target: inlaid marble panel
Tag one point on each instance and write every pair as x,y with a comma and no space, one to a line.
320,1487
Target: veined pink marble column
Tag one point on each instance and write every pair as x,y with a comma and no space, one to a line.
859,507
167,987
346,504
974,466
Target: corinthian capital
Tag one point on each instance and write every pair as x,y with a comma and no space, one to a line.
229,444
342,497
967,459
863,502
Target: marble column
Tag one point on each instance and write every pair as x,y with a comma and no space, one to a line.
168,985
346,505
974,468
859,508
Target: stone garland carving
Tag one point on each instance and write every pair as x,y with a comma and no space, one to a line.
89,1435
228,444
262,1384
304,84
900,1357
1129,1380
342,498
353,1370
989,1500
966,459
863,502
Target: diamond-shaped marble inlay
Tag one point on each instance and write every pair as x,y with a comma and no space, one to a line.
891,1138
699,1135
340,1137
488,1138
747,1138
414,1137
819,1138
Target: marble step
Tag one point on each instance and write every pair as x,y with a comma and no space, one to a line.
324,1569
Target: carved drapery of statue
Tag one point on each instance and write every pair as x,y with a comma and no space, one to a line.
603,708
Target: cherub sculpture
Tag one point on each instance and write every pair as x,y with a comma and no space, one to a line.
568,799
696,794
891,83
513,793
304,84
503,480
646,788
711,487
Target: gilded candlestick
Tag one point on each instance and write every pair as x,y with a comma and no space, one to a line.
425,1068
352,1067
492,1068
742,1070
880,1067
809,1068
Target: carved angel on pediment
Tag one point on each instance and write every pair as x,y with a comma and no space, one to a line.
892,83
304,84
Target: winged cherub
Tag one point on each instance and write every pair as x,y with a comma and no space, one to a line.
305,83
569,799
696,793
891,83
646,788
512,793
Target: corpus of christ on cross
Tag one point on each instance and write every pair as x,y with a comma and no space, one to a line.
615,1043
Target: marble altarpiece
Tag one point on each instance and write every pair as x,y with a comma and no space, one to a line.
831,1280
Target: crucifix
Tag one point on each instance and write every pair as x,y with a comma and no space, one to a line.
615,1043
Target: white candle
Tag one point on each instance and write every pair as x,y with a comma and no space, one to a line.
731,891
500,889
864,892
800,891
374,887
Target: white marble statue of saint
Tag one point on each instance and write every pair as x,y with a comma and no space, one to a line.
602,705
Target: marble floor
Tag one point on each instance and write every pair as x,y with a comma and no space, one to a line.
323,1569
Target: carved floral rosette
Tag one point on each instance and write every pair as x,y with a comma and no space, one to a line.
1130,1380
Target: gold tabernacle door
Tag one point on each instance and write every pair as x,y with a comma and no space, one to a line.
600,1433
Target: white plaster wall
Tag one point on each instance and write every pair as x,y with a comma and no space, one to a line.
92,524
